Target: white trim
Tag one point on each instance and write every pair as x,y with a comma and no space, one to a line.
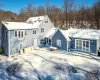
9,43
58,42
97,47
82,45
67,45
19,38
51,42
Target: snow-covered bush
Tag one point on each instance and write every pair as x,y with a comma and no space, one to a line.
93,75
13,69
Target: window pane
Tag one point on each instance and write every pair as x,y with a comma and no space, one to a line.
87,44
22,34
83,43
78,44
15,33
19,34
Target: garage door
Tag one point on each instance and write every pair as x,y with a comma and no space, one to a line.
35,43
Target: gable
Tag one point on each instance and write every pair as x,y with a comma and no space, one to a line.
59,35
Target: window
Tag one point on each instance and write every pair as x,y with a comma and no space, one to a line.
82,45
15,33
6,34
87,45
59,43
78,44
46,21
42,30
20,34
34,32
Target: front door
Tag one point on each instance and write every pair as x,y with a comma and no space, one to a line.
35,43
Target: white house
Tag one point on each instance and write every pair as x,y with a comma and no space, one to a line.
19,35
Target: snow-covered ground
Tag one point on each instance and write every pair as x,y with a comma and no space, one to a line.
43,64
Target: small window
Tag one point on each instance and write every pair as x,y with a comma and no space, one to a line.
46,21
42,30
6,34
58,43
15,33
34,32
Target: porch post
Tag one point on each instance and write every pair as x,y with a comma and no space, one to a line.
46,41
51,42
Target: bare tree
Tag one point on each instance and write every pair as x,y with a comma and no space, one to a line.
40,10
97,13
67,5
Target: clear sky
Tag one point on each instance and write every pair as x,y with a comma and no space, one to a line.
16,5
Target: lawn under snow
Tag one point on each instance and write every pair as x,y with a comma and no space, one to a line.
47,65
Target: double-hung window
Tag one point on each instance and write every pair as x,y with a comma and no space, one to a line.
20,35
42,30
34,31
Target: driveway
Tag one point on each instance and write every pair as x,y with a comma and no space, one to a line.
43,64
82,61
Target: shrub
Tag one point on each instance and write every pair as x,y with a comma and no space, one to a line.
92,75
1,50
13,69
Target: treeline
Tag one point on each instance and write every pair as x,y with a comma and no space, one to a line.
70,13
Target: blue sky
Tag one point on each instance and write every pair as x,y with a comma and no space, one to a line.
16,5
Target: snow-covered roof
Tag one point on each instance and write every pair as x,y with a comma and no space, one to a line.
65,34
51,32
84,33
36,19
20,25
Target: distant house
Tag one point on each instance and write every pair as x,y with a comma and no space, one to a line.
19,35
81,40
